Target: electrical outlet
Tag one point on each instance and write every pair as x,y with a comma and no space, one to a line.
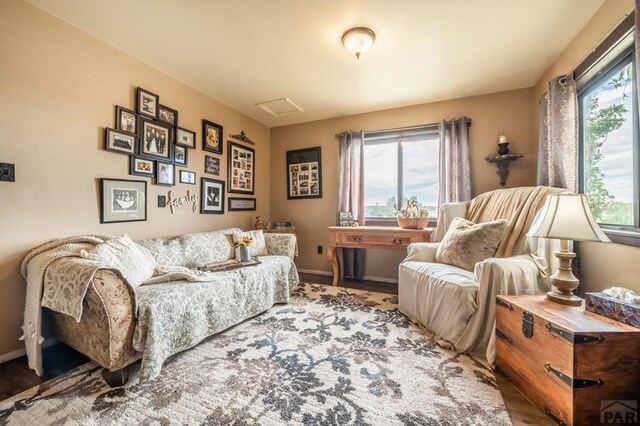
319,249
162,201
7,172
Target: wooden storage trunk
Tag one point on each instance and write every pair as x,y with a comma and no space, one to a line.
571,363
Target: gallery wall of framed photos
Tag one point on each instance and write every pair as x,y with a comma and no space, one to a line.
158,147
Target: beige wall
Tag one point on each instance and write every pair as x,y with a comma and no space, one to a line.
506,113
58,89
603,265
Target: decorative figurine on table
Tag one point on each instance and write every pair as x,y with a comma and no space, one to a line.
258,224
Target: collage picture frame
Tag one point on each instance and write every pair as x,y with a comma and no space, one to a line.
240,168
304,173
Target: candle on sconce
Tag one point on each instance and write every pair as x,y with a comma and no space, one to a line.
502,139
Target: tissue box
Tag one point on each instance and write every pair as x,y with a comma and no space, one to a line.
601,304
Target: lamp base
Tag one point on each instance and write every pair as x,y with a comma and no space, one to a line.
564,299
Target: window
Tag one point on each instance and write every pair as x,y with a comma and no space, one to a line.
609,163
399,166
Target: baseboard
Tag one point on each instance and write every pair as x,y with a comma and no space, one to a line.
366,277
22,351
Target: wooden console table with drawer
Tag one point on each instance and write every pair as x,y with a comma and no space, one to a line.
378,237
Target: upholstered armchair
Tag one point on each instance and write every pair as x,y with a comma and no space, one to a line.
458,305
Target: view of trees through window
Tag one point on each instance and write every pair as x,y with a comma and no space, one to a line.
607,143
417,170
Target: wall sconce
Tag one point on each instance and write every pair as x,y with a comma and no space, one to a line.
503,159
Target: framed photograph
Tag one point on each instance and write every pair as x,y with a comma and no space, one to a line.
212,137
185,138
123,200
212,196
304,173
147,103
126,120
188,177
180,155
141,167
211,165
165,173
241,168
168,115
155,140
240,204
120,142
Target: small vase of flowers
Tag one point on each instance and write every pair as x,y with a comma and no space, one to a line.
412,217
243,245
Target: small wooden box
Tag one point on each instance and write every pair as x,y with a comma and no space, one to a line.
567,361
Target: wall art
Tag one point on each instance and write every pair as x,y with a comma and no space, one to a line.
304,173
185,138
241,204
212,196
211,165
165,173
180,155
119,141
141,167
240,168
168,115
122,200
147,103
188,177
126,120
211,137
172,201
155,139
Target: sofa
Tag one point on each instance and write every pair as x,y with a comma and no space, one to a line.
120,324
458,305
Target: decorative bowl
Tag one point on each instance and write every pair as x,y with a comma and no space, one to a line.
413,222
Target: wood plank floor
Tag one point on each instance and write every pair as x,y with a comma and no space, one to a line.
15,375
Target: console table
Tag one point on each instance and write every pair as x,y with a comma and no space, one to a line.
379,237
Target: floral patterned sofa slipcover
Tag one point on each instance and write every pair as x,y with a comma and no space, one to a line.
120,325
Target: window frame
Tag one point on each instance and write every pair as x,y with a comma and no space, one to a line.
622,234
430,132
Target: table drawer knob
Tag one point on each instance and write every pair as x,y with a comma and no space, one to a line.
397,241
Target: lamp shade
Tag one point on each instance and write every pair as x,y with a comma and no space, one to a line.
567,217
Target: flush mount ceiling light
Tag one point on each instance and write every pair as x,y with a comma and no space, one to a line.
358,40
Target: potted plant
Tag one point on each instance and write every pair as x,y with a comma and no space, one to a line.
243,244
412,217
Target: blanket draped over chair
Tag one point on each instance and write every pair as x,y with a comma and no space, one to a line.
458,306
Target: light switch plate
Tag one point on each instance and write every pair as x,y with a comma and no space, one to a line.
7,172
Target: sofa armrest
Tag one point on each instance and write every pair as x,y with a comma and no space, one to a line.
105,330
447,213
282,245
510,275
421,252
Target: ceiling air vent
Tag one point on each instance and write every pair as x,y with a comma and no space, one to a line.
279,107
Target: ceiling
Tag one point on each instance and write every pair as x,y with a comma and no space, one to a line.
243,52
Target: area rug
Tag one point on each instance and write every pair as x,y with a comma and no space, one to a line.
333,356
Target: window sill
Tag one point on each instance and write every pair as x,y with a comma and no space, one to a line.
625,237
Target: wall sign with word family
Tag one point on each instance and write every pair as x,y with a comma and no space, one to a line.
173,201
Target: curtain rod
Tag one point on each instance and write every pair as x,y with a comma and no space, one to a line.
401,129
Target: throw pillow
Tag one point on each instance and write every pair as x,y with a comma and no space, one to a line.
257,248
467,243
134,262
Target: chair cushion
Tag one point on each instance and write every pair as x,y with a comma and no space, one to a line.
467,243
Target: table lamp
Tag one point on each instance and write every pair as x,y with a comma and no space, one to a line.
566,217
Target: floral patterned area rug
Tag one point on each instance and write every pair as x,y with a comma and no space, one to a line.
333,356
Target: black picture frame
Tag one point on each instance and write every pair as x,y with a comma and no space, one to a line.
158,133
185,138
241,169
211,206
212,165
182,177
161,175
210,131
147,103
180,155
127,210
167,115
134,168
119,141
304,173
126,120
241,204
